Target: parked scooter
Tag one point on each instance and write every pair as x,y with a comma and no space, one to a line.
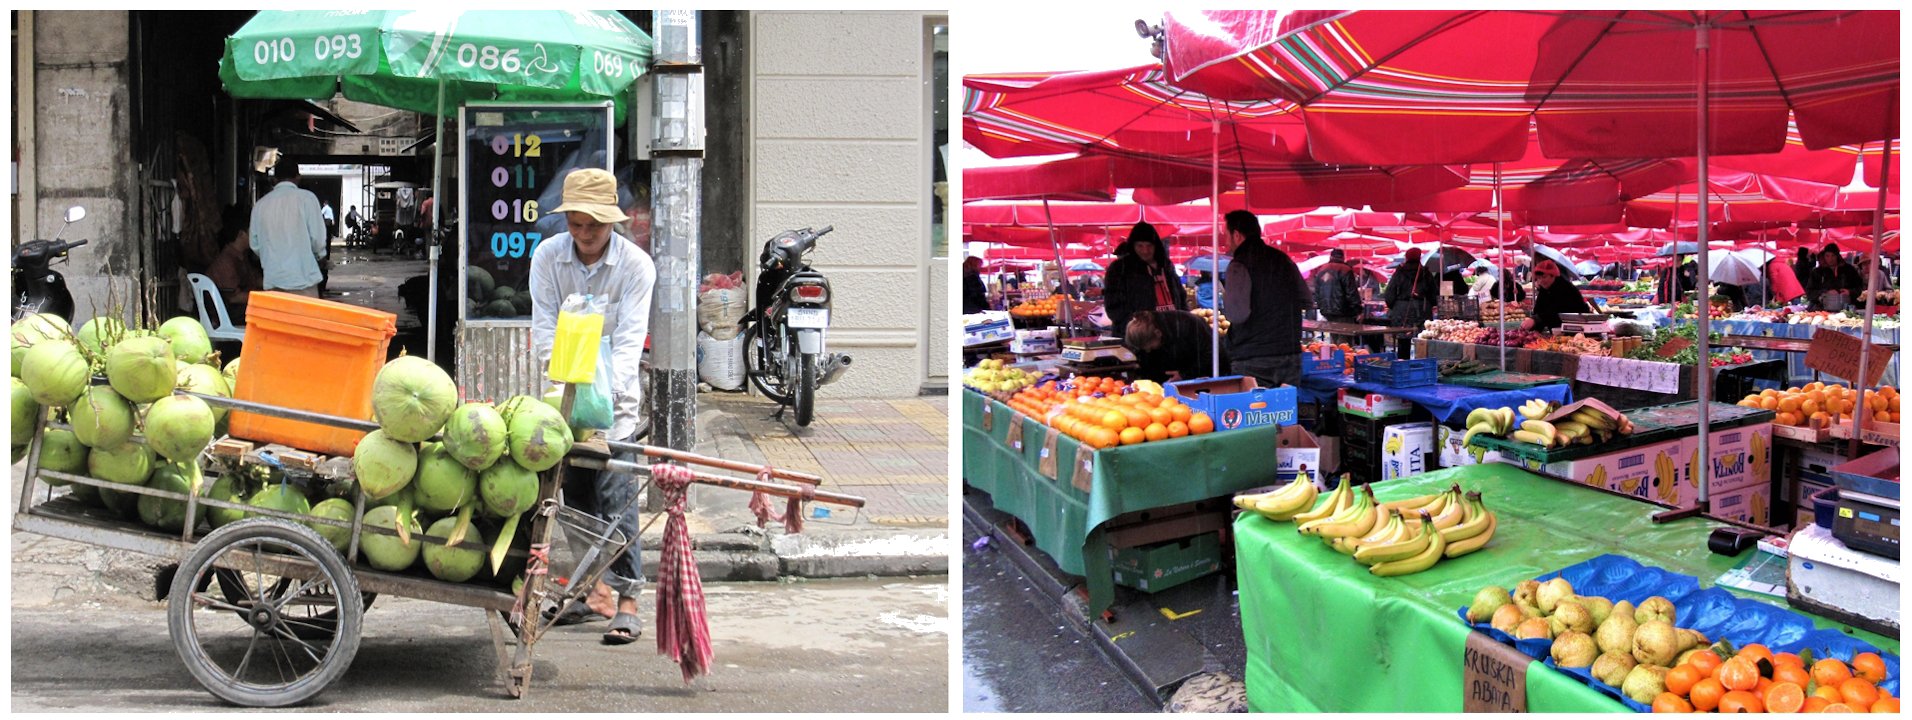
37,288
784,352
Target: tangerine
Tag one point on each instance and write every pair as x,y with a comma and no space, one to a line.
1136,418
1786,658
1837,708
1668,702
1792,673
1886,705
1814,704
1830,693
1830,672
1707,693
1741,701
1738,674
1177,429
1133,435
1785,698
1161,416
1181,412
1705,661
1859,692
1200,424
1680,680
1155,431
1114,420
1869,666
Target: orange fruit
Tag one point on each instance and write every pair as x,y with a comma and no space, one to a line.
1131,436
1869,666
1705,661
1829,693
1114,420
1738,674
1755,652
1830,672
1667,702
1786,658
1814,704
1789,404
1181,412
1784,698
1707,693
1769,403
1177,429
1784,673
1680,680
1161,416
1741,701
1200,424
1155,431
1760,687
1136,418
1837,708
1886,705
1859,692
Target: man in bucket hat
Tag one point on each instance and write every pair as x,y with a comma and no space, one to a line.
591,259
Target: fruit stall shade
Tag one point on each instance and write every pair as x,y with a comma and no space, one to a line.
1065,504
1796,371
1448,403
1323,635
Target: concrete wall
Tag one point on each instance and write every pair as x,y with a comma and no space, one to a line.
82,128
840,135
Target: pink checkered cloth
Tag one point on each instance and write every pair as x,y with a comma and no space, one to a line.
683,626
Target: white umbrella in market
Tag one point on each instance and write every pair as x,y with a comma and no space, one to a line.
1731,268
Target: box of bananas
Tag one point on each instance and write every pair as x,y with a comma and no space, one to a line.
1400,537
1548,425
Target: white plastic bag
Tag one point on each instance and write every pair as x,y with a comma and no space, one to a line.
720,362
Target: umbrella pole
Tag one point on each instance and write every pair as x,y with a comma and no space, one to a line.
1872,296
1215,244
1500,271
1703,372
431,243
1062,270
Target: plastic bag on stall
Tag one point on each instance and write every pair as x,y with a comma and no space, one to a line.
580,317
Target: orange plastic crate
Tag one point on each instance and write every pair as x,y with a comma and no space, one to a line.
313,355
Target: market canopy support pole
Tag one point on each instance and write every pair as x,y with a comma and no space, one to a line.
1702,297
438,183
1215,248
1862,410
1500,272
1062,271
677,147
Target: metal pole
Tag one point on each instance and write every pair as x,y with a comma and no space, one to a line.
1215,246
1062,271
1861,411
431,243
1500,283
1702,297
677,168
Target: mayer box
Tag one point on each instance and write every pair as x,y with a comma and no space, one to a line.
1235,401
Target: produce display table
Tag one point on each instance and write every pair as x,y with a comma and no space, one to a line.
1796,371
1323,635
1446,402
1617,381
1355,330
1065,509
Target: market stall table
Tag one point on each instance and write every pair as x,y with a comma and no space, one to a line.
1796,371
1066,507
1765,346
1446,402
1363,333
1323,635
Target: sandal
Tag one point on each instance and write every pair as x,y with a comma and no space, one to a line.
576,613
625,629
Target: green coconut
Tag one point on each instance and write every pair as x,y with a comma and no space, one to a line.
129,464
20,453
475,435
86,495
232,374
333,509
478,282
537,435
507,488
179,427
101,418
189,339
30,330
383,465
454,564
26,413
101,333
205,380
412,398
226,489
56,372
164,513
61,451
385,552
141,368
442,484
123,504
281,497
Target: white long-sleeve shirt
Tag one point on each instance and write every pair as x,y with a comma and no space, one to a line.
289,237
625,275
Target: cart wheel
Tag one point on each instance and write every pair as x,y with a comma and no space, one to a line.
259,643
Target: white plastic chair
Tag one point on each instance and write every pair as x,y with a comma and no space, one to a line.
213,305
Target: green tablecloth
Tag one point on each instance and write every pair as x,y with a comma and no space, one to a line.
1064,519
1323,635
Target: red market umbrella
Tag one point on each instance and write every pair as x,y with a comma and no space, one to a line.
1081,178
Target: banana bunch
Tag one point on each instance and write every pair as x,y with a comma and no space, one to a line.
1482,421
1283,504
1407,536
1585,426
1341,499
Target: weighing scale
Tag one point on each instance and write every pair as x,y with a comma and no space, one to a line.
1096,356
1867,515
1851,571
1583,324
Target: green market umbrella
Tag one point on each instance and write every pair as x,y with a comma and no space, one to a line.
397,58
420,60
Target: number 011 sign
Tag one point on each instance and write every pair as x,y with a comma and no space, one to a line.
513,161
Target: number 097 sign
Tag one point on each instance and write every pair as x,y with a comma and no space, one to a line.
513,159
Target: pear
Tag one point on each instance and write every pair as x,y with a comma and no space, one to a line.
1655,608
1643,683
1525,591
1656,643
1507,618
1616,634
1623,608
1574,649
1486,602
1533,629
1599,607
1575,617
1551,593
1612,668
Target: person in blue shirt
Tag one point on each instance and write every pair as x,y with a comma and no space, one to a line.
288,234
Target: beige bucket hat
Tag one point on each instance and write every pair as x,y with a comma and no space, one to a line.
592,191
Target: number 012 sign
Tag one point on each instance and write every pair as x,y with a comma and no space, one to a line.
513,161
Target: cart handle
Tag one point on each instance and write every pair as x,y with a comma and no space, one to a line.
707,461
767,488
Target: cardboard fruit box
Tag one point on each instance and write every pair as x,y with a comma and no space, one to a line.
1236,401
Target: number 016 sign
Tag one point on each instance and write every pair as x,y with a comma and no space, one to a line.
513,160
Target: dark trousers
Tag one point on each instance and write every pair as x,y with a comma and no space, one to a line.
600,493
1270,371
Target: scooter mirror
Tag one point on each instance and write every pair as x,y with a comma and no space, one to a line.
75,214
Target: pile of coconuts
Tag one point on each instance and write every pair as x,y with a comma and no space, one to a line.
1622,645
131,429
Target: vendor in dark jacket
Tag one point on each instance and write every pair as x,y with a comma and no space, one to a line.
1171,345
1141,278
1833,277
975,293
1553,297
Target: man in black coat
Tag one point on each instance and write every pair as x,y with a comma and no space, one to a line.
975,294
1171,346
1141,278
1263,297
